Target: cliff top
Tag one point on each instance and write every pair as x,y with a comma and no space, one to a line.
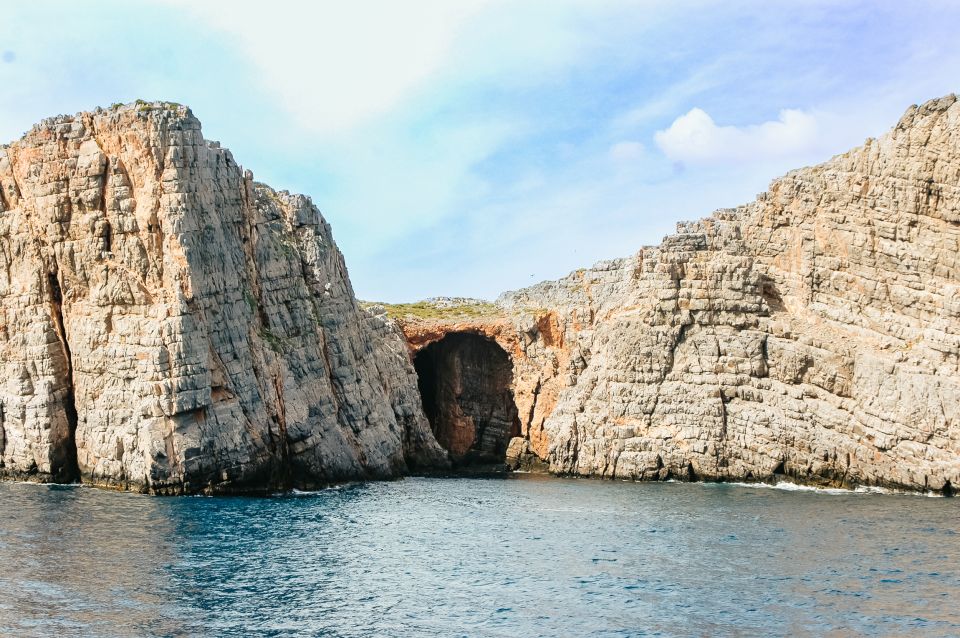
445,308
132,112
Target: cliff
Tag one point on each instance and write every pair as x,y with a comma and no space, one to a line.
170,325
813,333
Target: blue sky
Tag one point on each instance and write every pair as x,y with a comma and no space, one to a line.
469,147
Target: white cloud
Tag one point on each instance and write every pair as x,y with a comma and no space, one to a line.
695,138
335,64
667,100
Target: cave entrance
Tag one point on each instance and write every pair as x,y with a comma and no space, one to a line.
465,382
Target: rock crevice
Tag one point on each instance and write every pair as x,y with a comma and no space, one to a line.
63,461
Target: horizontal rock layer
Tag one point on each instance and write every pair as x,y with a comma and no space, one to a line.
813,333
169,325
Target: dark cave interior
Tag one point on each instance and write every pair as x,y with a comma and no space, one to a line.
465,382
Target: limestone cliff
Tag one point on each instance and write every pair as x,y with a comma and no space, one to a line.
170,325
813,333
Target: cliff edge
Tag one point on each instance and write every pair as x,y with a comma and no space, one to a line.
812,334
169,325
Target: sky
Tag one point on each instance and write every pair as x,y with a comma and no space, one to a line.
467,147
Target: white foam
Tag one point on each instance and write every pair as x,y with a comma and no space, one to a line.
329,488
788,486
41,484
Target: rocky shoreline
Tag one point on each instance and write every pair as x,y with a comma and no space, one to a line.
812,334
172,326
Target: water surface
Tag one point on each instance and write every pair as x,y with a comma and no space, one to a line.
521,556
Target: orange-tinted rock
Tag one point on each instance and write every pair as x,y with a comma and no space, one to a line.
169,325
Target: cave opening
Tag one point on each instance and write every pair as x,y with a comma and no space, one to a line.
466,385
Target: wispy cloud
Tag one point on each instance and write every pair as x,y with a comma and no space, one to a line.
472,146
626,151
333,65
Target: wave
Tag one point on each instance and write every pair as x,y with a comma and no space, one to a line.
322,490
47,484
787,486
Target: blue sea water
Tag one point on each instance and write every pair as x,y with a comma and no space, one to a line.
518,556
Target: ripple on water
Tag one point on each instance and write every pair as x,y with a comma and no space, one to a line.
480,557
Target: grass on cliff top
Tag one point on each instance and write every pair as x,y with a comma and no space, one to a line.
428,310
143,105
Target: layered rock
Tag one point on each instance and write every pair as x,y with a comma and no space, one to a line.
813,333
170,325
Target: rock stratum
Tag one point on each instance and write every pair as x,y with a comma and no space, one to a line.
812,334
171,326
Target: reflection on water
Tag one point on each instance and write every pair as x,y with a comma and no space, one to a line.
479,557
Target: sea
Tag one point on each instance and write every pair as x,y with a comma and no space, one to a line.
513,556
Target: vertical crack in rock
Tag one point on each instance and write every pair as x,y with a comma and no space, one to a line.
3,433
282,473
677,342
533,405
63,461
106,239
721,453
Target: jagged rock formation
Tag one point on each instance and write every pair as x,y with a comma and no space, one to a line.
813,333
170,325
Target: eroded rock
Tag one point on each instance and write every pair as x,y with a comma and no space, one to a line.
170,325
813,333
465,382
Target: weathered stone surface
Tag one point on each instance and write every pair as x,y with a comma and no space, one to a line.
521,457
170,325
813,333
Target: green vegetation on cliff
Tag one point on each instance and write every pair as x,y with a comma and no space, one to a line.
441,308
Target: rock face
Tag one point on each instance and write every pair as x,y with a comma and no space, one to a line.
813,333
170,325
